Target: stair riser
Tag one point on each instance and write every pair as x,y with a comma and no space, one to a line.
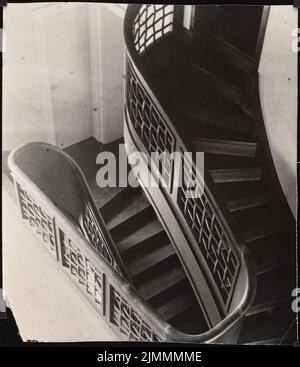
156,238
236,175
132,222
226,148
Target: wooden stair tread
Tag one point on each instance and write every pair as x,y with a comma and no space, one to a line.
138,206
176,305
159,284
223,87
113,196
261,232
273,341
261,329
278,251
248,202
206,48
273,290
139,235
206,130
211,114
237,57
236,174
218,146
267,306
149,260
274,263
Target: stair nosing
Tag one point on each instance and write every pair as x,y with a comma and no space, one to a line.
169,251
243,174
113,226
245,202
180,274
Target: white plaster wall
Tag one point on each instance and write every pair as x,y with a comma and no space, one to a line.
46,68
107,64
22,102
63,70
66,55
278,94
113,74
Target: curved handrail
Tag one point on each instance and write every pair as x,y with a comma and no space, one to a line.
66,233
60,178
135,60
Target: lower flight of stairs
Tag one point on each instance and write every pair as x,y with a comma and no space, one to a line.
155,269
148,255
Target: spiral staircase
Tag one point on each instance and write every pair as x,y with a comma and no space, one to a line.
155,263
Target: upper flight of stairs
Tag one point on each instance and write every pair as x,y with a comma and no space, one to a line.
150,259
205,85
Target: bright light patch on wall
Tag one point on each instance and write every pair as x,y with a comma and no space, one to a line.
2,48
188,16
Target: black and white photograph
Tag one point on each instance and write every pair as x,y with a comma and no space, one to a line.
149,173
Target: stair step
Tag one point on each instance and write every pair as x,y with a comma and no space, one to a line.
206,130
149,231
211,114
206,51
161,283
236,174
238,58
261,232
116,194
272,264
223,87
139,206
248,202
273,290
267,306
235,148
235,190
277,251
261,328
191,320
176,305
274,341
146,262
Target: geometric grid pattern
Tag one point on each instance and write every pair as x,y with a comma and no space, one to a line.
213,243
38,219
82,269
150,125
129,321
95,236
95,284
151,23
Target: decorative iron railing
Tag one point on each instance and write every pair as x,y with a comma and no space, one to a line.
150,124
220,255
151,23
207,223
93,273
